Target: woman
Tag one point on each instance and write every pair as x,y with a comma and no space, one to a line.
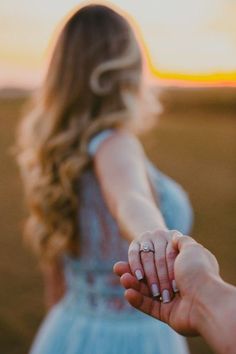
91,190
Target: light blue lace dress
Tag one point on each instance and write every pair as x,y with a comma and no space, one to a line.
93,317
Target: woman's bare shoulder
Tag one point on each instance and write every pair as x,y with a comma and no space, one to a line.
119,143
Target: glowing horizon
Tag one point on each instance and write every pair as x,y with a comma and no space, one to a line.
188,41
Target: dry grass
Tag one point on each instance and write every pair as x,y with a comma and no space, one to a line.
196,146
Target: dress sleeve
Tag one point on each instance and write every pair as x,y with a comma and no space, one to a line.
97,140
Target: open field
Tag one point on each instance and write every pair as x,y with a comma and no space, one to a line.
195,143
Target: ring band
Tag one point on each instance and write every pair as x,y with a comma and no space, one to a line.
146,247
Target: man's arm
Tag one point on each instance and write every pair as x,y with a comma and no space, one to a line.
215,315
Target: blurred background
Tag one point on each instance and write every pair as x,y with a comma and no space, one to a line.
192,48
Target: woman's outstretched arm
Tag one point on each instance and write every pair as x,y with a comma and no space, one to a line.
121,169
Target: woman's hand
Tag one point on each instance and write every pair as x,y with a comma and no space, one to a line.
152,257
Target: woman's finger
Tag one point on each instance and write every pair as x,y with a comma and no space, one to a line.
162,270
148,262
171,255
134,260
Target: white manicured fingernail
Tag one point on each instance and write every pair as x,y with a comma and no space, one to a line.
174,286
138,274
155,290
165,296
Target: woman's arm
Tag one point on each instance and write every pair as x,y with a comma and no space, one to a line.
54,283
121,169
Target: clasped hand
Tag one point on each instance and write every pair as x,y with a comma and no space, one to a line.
166,280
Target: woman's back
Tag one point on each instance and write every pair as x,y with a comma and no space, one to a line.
101,242
93,307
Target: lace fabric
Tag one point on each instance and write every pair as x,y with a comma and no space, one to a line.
90,277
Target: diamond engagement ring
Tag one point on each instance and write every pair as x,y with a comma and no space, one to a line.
146,247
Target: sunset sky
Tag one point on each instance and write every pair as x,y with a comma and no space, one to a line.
187,39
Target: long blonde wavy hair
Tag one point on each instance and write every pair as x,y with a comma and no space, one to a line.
94,81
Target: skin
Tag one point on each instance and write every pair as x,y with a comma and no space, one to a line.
128,194
205,304
129,197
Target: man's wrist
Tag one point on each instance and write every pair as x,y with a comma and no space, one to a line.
210,291
214,315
